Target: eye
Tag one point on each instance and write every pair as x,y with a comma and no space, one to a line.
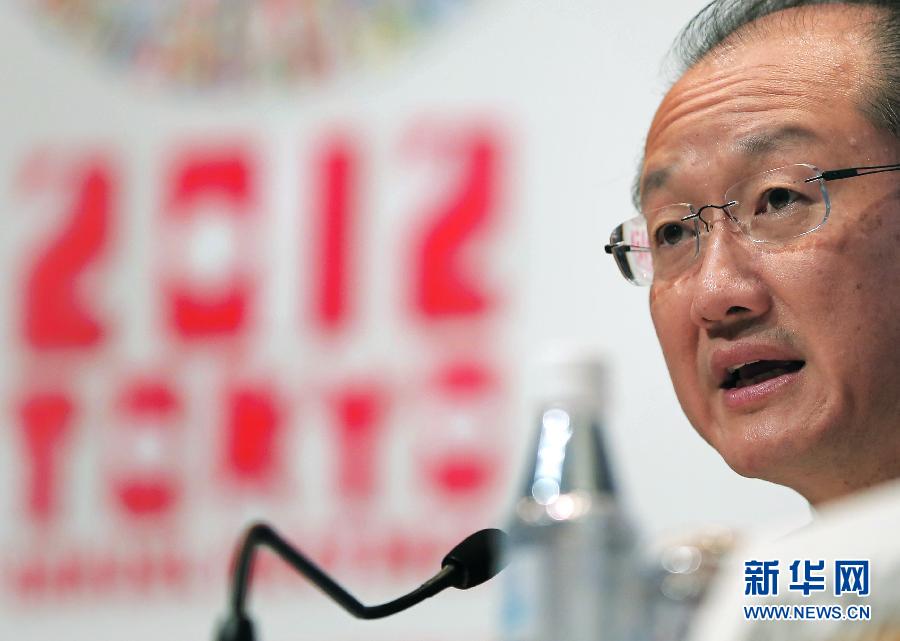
672,234
776,199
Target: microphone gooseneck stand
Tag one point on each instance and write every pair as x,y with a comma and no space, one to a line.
470,563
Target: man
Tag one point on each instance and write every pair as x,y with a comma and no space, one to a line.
774,280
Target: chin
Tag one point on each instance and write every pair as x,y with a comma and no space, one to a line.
765,450
753,464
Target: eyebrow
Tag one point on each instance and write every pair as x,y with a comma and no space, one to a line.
759,143
769,141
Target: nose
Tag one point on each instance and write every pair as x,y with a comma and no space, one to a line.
728,287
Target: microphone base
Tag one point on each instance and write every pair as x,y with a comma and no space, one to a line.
236,628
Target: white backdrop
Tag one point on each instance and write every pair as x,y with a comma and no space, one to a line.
483,169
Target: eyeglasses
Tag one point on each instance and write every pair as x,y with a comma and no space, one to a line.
771,207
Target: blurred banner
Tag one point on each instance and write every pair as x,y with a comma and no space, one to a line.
241,320
287,260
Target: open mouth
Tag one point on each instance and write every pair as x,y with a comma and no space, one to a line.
757,372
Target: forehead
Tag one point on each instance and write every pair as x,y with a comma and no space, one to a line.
795,80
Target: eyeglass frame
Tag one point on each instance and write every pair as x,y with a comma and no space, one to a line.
619,248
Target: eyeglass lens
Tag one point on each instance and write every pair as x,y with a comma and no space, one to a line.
773,206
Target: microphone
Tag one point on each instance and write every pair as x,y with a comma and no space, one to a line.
475,560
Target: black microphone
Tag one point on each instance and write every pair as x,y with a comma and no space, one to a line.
470,563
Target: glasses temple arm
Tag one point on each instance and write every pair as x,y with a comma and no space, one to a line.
624,247
839,174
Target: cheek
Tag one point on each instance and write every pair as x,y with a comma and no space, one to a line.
856,271
679,337
664,312
670,311
848,309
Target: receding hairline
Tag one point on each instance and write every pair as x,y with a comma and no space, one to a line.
692,46
802,19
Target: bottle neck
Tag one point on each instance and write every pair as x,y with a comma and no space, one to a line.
571,462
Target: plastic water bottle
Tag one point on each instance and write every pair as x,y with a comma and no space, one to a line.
574,574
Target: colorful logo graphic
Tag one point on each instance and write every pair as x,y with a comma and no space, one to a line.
243,43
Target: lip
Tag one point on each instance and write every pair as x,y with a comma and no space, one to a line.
742,397
722,359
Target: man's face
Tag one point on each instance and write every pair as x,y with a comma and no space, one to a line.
829,301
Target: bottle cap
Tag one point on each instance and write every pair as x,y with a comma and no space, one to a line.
570,371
